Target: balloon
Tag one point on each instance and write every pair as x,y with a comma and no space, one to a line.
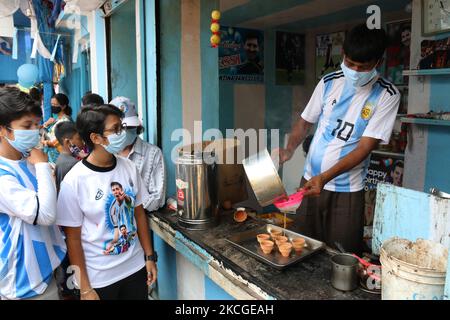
216,15
215,27
215,39
28,75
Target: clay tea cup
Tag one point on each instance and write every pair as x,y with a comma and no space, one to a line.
275,233
262,236
298,244
267,246
280,240
285,249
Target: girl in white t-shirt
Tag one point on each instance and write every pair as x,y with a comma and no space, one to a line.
100,208
32,245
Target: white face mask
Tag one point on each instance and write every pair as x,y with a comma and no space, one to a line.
356,78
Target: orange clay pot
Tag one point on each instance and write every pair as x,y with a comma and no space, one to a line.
285,249
298,244
275,233
267,246
262,236
280,240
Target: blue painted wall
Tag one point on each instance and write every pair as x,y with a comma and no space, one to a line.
214,292
123,52
170,81
9,66
171,119
210,70
438,155
167,271
100,39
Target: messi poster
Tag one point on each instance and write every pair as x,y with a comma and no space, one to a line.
241,55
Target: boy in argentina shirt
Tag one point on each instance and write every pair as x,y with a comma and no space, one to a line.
32,246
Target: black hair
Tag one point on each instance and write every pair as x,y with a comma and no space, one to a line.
251,35
14,104
92,120
405,27
398,163
122,226
364,45
65,130
36,94
63,100
116,184
92,99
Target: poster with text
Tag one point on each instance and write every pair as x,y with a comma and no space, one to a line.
329,53
290,59
241,55
382,169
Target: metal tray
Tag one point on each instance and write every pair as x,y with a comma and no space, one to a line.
247,242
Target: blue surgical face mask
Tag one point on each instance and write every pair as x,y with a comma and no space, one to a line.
116,142
356,78
24,140
131,137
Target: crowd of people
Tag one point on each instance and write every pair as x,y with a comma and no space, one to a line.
73,200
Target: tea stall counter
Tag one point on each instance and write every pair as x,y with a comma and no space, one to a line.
242,276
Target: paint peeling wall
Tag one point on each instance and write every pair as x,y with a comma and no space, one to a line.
410,214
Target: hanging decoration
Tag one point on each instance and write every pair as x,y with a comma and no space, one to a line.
215,28
8,7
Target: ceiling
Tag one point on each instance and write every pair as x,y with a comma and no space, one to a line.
299,14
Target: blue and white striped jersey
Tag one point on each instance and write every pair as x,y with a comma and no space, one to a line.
344,114
28,253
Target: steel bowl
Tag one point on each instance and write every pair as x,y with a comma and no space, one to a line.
264,178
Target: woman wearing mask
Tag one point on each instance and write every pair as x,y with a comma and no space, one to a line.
148,158
61,111
100,208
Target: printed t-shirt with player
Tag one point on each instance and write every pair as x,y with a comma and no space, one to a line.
102,202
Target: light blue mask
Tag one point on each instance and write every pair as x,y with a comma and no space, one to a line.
24,140
131,137
116,142
358,79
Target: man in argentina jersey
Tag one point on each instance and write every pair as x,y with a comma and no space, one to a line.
355,110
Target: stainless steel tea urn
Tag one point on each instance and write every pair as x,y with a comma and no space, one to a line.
197,203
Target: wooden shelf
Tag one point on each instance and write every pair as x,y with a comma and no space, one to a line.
428,122
388,153
427,72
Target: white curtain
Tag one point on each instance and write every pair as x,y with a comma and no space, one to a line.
85,5
8,7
